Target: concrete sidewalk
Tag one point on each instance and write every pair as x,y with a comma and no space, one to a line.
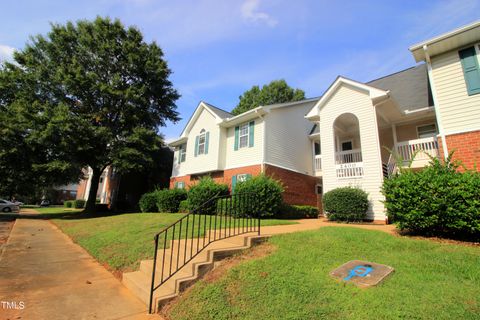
44,275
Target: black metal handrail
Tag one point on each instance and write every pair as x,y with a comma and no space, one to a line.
227,216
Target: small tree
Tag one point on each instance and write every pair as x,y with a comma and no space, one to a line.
277,91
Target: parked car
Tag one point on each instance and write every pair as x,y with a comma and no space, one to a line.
44,203
18,203
7,206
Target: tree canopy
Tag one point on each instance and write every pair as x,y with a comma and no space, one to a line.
91,93
277,91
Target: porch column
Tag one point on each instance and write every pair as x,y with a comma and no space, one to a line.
394,132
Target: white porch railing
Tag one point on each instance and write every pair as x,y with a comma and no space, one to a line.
350,170
318,162
349,156
418,148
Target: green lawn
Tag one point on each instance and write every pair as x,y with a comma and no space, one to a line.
431,281
121,241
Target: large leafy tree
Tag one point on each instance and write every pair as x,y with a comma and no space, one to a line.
95,93
277,91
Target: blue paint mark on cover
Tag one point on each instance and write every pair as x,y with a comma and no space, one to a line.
359,271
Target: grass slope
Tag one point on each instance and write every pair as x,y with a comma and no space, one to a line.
122,241
431,281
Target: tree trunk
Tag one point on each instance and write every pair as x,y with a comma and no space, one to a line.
92,194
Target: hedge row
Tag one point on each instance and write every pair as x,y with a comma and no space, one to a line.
77,204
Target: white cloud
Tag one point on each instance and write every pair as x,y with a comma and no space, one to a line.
6,53
251,13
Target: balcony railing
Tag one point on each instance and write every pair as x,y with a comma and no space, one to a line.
349,156
318,162
418,149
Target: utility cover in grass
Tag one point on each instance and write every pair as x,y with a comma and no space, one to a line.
362,273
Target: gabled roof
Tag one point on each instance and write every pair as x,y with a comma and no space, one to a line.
448,41
409,88
220,112
373,92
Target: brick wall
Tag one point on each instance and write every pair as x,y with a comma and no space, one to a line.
466,146
299,188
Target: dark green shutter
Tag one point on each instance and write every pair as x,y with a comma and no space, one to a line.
234,183
249,176
237,133
251,133
196,145
207,138
175,185
471,71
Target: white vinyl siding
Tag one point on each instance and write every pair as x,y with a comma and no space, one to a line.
204,162
348,99
244,156
458,111
287,142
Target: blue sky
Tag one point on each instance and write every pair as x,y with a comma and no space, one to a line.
218,49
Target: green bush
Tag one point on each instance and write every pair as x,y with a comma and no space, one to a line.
183,206
267,193
204,190
438,200
346,204
148,202
68,204
79,204
288,211
168,200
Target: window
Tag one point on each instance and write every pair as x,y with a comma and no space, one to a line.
471,71
427,131
318,189
347,145
318,150
242,177
101,180
182,153
201,143
244,135
179,185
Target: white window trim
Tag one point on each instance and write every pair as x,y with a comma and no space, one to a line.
240,135
424,125
316,188
202,134
242,177
180,185
182,153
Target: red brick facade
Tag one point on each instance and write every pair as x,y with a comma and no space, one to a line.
299,188
466,146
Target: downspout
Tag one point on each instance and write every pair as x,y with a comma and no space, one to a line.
435,102
264,142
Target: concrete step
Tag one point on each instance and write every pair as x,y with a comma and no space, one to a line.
139,282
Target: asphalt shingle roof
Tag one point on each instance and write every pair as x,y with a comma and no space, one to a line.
409,88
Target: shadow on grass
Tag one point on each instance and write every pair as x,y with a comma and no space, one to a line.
64,215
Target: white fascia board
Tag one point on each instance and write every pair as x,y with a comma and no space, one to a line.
195,116
179,141
243,117
374,93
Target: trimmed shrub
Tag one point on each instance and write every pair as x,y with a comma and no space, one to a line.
346,204
168,200
148,202
68,204
183,206
204,190
267,193
288,211
79,204
436,201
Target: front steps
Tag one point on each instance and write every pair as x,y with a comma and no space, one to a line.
139,282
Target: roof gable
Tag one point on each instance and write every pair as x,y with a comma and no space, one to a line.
373,92
217,113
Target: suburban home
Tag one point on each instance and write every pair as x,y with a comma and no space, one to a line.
351,135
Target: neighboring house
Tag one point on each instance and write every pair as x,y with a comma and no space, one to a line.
346,137
107,186
64,193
